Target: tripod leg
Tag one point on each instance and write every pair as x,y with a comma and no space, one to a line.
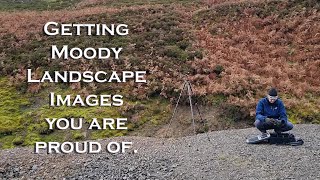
175,109
196,103
198,110
190,94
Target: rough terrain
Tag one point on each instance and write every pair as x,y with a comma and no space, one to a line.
225,156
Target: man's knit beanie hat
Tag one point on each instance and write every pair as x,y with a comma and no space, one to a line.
273,92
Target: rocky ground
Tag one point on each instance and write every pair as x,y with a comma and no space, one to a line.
214,155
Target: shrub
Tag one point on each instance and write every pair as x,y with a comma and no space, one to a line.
183,44
218,69
77,135
175,52
18,140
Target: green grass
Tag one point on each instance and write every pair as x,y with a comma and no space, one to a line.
23,124
12,104
304,114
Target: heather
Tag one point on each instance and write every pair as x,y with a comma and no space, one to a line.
232,53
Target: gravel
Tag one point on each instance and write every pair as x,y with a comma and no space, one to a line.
214,155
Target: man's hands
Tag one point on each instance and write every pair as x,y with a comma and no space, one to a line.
270,120
275,122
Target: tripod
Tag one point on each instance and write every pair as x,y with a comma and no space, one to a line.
187,87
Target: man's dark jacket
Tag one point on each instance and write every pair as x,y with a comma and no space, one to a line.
274,110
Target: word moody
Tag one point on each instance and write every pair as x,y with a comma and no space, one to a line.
88,53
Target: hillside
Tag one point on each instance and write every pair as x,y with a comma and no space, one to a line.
225,156
231,51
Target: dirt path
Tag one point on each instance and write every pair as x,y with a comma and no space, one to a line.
225,156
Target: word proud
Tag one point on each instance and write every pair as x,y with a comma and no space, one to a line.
80,148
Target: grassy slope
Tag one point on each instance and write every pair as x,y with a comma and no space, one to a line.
165,39
140,107
275,43
8,5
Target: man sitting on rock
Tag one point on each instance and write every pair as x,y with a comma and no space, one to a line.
271,114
